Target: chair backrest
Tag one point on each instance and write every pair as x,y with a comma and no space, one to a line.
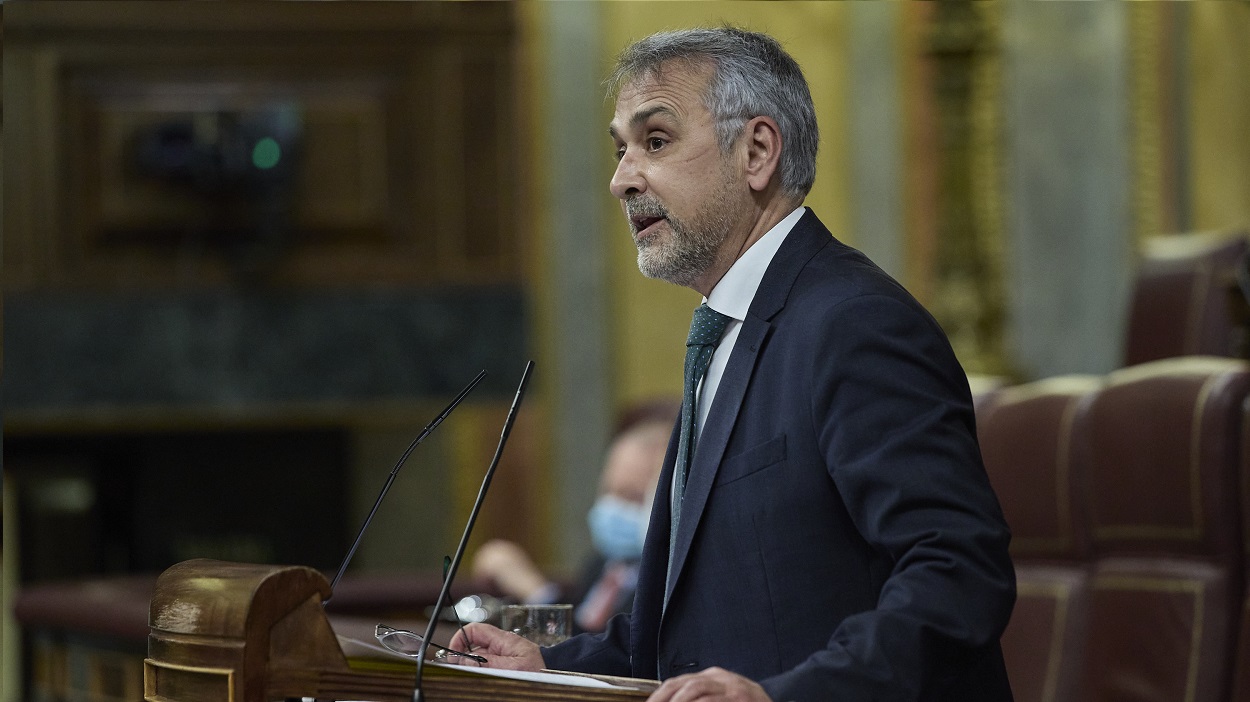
1026,441
1185,296
983,387
1161,446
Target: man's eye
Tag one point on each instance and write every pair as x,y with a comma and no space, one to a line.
655,143
620,153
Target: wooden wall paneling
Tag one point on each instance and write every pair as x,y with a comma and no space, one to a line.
406,167
1157,50
964,44
123,220
346,176
342,187
489,235
922,192
446,131
29,172
1217,115
514,501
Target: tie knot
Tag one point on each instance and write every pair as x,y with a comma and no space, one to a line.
706,327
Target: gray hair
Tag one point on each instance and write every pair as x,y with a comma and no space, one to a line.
752,76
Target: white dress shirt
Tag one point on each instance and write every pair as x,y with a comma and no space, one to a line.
732,297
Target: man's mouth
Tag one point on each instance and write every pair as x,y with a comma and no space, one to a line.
642,223
644,213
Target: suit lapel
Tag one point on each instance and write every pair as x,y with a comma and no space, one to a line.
807,237
649,598
715,437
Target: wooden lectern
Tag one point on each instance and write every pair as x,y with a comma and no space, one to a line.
234,632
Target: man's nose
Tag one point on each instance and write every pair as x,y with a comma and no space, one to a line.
627,181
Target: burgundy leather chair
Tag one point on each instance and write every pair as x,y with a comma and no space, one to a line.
1186,300
1026,442
983,388
1162,449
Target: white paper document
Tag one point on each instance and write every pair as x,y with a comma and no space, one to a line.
553,678
354,646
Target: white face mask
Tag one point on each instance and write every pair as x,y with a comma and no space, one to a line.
618,527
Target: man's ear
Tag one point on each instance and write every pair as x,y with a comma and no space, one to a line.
763,142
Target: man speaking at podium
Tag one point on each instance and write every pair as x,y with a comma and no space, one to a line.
823,528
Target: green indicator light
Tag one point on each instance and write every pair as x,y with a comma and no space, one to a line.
266,153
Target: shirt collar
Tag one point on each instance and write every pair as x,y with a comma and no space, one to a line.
733,293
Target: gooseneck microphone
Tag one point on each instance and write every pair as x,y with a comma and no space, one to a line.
468,528
395,471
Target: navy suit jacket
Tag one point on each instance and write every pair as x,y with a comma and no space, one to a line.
839,539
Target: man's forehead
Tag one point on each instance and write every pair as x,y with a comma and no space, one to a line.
673,87
683,73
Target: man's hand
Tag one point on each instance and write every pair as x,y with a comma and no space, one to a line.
509,567
711,684
502,649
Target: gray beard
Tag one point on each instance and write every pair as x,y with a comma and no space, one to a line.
692,248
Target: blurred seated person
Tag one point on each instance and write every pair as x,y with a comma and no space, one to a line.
618,526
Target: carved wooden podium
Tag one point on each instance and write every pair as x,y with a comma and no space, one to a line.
233,632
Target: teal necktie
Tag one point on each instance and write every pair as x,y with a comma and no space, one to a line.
705,332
